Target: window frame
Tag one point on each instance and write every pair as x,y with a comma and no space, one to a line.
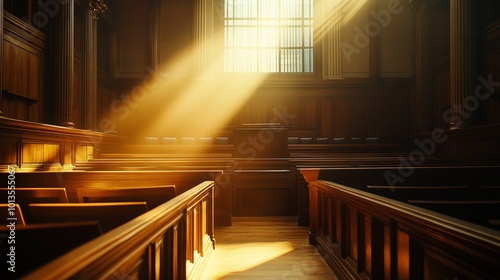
274,76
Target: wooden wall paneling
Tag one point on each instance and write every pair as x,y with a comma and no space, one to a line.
24,56
261,111
133,39
35,90
353,235
263,192
177,21
78,101
395,40
326,118
109,111
357,117
22,78
52,153
356,62
441,93
8,151
32,153
378,116
341,121
41,155
10,62
83,153
2,58
294,106
492,62
311,113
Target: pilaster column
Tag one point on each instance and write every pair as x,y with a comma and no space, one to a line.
154,33
64,64
203,36
332,53
423,108
462,63
90,68
1,55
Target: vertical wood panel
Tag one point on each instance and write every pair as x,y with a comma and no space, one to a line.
357,117
310,113
326,119
22,73
367,235
32,153
10,62
378,115
403,255
52,153
340,118
338,222
353,233
8,151
387,252
133,40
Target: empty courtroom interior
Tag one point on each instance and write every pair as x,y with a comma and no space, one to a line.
250,139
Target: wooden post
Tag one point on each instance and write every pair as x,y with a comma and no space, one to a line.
64,64
462,63
1,55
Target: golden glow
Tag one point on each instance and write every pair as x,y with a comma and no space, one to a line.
175,104
334,12
249,255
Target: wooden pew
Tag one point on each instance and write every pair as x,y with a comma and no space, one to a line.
108,214
12,212
25,196
37,245
171,241
153,196
367,236
345,160
183,179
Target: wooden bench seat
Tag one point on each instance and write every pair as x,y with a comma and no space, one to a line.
183,179
25,196
108,214
39,244
12,212
153,196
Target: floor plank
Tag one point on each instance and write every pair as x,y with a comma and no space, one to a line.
265,248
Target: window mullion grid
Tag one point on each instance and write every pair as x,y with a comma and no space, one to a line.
303,43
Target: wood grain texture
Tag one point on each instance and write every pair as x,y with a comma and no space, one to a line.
265,248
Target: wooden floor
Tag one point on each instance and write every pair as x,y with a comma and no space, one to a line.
265,248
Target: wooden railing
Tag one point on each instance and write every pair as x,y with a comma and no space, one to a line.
172,241
31,146
366,236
